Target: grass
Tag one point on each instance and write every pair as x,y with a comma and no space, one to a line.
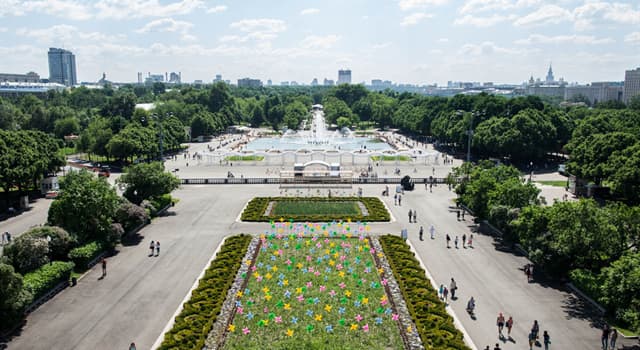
293,208
556,183
257,207
313,293
391,158
244,158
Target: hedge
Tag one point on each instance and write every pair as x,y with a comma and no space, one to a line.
82,255
194,323
433,323
40,281
257,206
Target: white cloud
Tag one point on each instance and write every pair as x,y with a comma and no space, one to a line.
381,45
66,34
482,21
319,42
471,6
487,48
70,9
217,9
3,29
547,14
406,5
623,13
126,9
309,11
414,18
169,25
586,14
443,40
264,25
633,38
564,39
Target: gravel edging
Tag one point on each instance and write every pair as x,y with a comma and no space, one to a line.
215,338
412,339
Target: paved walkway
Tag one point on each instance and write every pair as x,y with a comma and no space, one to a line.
140,294
36,215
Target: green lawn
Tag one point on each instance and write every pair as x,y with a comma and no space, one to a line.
244,158
293,208
313,293
391,158
557,183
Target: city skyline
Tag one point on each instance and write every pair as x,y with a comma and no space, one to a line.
407,41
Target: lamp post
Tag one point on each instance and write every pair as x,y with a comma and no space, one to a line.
160,118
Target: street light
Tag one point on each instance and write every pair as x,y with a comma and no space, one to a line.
160,118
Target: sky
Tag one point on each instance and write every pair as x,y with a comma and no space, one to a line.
406,41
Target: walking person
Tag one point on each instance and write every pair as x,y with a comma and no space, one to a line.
410,215
395,199
457,211
8,237
453,287
463,215
415,216
535,329
157,248
445,294
421,232
448,240
132,346
613,338
104,267
152,246
400,200
464,240
470,243
532,340
546,340
432,231
456,242
441,291
509,325
605,337
500,323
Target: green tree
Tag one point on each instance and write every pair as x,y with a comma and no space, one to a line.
335,108
26,253
13,297
85,207
147,180
66,126
620,290
590,157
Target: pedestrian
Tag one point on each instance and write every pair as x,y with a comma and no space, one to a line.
410,215
464,240
605,337
8,237
509,326
431,187
452,288
613,338
532,340
500,323
415,216
3,238
399,200
132,346
456,242
432,231
152,246
395,199
470,243
441,291
104,267
448,240
421,232
497,347
535,329
487,348
463,214
445,293
546,340
157,248
457,212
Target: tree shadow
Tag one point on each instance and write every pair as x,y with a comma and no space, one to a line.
131,240
575,307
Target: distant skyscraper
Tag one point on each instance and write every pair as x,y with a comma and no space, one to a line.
328,82
218,78
344,76
314,82
269,82
550,79
248,82
62,67
631,84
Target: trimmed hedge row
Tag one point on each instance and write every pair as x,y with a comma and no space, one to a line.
433,323
82,255
194,323
40,281
257,206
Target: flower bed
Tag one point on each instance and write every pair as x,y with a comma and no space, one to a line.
433,323
257,207
200,312
314,292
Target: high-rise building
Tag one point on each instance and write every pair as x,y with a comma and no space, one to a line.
248,82
344,76
314,82
175,78
328,82
631,84
62,67
218,78
549,79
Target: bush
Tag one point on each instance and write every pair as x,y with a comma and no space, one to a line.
131,215
61,241
194,323
433,323
257,206
14,299
161,201
81,256
40,281
27,253
587,282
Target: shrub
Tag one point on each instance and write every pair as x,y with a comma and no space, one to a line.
27,253
161,201
13,297
433,323
194,323
257,206
40,281
131,215
81,256
61,241
587,282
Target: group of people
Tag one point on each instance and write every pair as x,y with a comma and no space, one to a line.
444,292
6,238
609,338
154,246
413,216
466,241
397,199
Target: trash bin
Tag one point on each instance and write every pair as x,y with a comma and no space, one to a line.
74,281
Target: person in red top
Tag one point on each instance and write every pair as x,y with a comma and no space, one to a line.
500,323
509,326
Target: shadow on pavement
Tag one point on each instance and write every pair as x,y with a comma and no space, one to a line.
576,307
131,240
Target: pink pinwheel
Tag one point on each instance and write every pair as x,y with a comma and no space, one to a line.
317,273
342,285
365,327
309,284
332,293
322,288
384,281
246,330
240,310
278,319
288,262
300,298
358,318
394,317
309,258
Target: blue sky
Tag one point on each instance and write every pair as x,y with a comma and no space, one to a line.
411,41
